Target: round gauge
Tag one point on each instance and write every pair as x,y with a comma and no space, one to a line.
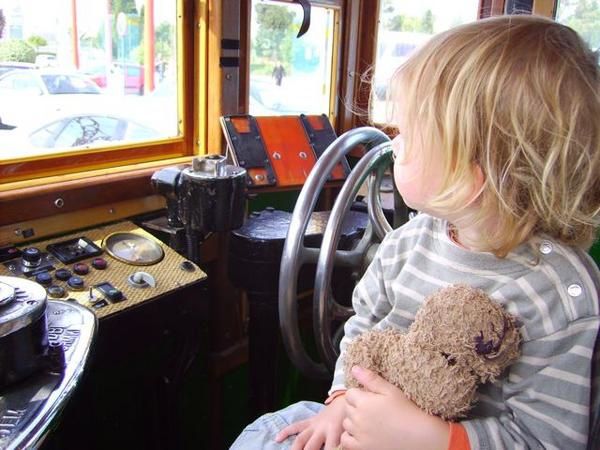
132,248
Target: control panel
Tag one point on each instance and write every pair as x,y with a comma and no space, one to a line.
107,269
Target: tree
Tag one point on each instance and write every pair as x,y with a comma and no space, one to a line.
584,19
120,6
16,50
2,23
36,41
427,22
274,29
125,6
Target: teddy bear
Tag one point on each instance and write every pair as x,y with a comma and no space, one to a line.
459,339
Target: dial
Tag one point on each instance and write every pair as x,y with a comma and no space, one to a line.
133,248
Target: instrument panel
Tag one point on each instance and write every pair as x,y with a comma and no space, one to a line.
107,269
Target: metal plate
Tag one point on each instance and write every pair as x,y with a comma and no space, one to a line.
133,248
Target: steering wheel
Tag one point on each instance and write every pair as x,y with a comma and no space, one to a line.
325,309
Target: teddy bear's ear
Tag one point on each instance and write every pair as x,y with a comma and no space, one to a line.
497,351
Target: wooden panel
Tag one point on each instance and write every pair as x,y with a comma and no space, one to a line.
32,203
63,223
545,8
488,8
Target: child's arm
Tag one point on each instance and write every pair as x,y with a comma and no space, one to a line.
371,304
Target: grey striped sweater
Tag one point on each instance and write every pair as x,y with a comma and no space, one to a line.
544,400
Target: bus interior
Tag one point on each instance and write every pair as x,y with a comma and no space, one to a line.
189,191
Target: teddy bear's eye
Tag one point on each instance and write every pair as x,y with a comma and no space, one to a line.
451,360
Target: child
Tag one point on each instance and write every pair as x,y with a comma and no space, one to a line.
499,148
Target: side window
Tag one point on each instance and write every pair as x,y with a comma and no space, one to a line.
20,83
113,67
404,26
290,75
584,17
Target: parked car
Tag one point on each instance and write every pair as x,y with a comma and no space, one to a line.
83,130
7,66
45,82
128,76
42,91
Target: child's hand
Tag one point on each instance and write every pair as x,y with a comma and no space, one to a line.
380,416
324,429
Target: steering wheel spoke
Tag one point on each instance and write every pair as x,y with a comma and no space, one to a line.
325,308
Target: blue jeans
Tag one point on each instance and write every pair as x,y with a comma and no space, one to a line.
261,433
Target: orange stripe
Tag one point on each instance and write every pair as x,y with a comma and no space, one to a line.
459,440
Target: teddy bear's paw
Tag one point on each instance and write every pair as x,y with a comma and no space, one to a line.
438,384
373,350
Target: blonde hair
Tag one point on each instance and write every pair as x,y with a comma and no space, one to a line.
518,95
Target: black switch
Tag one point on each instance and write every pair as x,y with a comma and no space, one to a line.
110,292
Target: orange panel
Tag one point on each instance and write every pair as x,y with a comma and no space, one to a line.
288,149
316,122
241,124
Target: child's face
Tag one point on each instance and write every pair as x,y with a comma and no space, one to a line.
417,176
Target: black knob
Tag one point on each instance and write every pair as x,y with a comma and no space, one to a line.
75,283
187,266
44,278
63,274
32,257
55,291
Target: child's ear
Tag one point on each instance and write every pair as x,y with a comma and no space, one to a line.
478,180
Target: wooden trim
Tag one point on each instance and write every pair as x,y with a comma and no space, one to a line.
347,70
63,223
489,8
545,8
42,201
367,50
126,171
244,73
215,85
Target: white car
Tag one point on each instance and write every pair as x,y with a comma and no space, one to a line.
75,131
27,93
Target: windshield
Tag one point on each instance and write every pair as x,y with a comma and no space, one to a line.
69,84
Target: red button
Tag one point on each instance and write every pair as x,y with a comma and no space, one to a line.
81,268
99,263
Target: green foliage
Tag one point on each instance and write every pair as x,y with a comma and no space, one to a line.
585,19
275,32
2,23
16,50
427,22
126,6
164,44
400,22
120,6
37,41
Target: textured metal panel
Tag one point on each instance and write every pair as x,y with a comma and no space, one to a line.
168,273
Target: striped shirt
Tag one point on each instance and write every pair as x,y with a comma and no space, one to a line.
544,399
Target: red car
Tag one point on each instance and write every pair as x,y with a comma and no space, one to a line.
132,77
